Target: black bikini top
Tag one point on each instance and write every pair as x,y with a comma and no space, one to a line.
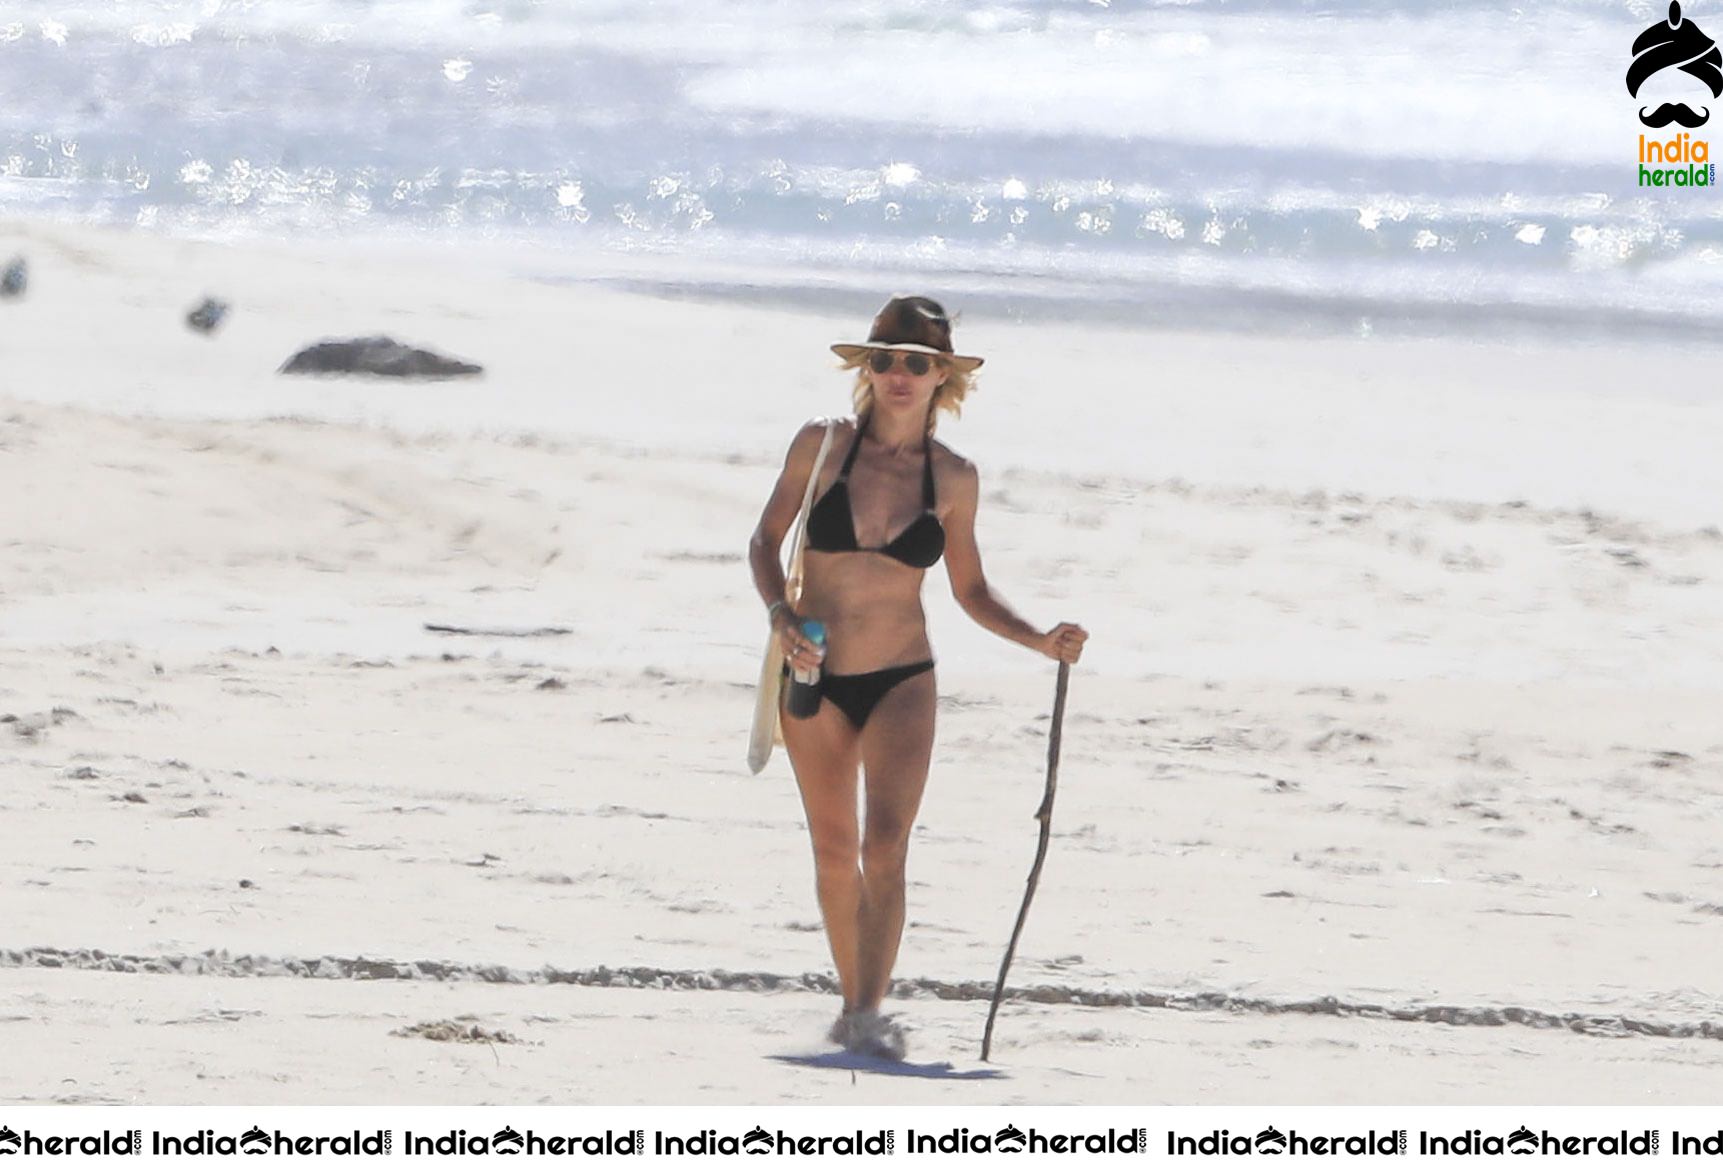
831,526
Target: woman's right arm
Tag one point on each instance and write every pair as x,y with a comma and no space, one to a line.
766,547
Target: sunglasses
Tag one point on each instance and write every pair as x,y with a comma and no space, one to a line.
882,361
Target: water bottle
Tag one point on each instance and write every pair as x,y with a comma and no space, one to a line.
805,683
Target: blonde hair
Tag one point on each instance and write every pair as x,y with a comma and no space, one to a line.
947,397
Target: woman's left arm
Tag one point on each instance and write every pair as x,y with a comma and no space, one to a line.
969,586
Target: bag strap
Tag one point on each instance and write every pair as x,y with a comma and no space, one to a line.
793,581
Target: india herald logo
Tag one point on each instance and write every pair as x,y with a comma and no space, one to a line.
1675,43
1684,159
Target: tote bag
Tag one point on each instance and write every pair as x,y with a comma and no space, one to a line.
766,732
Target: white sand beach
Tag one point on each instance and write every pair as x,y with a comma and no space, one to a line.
1393,774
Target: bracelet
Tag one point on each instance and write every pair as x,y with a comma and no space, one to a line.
772,611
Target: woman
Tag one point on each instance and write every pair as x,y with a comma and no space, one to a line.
882,516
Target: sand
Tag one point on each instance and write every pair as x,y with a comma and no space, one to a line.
1393,775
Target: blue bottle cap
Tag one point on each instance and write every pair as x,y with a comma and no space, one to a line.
815,631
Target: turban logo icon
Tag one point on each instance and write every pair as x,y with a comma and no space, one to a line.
1676,43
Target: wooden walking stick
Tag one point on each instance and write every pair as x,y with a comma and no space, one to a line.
1045,815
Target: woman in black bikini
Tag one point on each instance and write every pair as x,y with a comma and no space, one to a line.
898,501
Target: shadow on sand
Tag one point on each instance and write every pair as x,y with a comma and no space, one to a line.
860,1062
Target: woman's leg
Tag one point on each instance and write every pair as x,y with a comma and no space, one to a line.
825,752
896,747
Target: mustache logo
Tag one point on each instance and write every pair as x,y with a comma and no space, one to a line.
1676,43
1674,112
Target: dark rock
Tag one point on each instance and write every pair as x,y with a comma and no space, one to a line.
375,356
14,278
207,315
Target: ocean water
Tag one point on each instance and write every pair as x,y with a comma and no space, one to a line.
1424,166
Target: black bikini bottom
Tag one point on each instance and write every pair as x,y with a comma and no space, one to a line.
856,694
